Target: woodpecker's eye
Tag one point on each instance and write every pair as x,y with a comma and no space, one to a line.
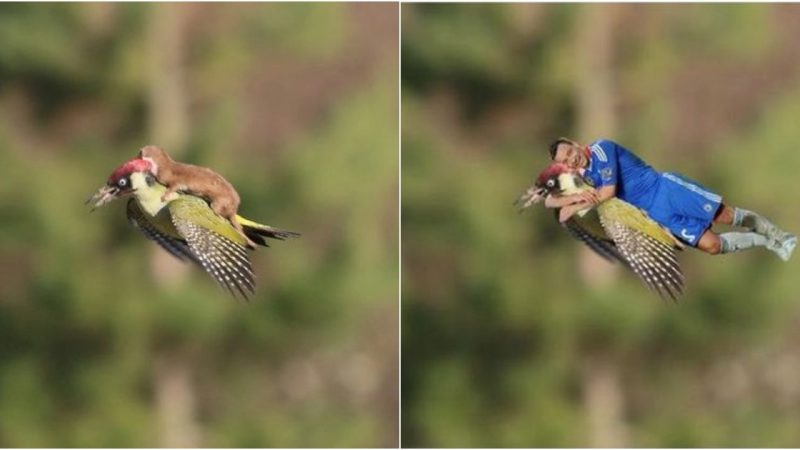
551,183
122,182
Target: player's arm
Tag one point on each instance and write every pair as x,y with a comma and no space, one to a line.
568,211
554,201
608,169
585,198
604,193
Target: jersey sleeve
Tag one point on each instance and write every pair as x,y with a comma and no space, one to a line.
604,155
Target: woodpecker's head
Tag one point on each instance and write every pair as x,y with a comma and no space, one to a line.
119,183
556,179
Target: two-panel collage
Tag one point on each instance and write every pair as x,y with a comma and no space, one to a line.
399,225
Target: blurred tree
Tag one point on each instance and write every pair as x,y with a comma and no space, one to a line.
168,123
596,116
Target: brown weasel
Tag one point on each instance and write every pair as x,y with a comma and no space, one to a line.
200,181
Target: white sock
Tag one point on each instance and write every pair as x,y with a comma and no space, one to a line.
736,241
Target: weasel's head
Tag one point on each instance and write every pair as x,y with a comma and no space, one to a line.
156,156
119,183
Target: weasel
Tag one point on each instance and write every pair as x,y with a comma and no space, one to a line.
200,181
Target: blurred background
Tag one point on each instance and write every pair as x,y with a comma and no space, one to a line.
105,340
513,334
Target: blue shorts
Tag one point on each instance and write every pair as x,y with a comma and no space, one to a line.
685,207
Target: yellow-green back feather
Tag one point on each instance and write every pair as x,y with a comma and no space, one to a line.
635,218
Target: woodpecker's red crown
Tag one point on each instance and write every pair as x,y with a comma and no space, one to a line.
118,183
129,167
552,171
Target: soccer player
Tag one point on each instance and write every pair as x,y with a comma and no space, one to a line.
681,205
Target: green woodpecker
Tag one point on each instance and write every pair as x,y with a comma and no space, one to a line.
616,230
186,226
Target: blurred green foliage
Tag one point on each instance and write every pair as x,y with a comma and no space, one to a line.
297,105
502,341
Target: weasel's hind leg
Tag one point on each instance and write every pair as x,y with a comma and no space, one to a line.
221,209
238,226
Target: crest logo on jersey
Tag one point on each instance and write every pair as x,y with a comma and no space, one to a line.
606,174
707,207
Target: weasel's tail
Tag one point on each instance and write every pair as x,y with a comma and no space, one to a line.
257,232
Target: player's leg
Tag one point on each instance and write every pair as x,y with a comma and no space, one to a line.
691,202
724,215
710,243
732,242
779,240
688,210
736,241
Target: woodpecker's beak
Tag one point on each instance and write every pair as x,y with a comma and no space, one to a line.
530,197
105,194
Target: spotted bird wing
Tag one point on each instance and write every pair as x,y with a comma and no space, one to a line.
176,247
225,260
590,231
648,249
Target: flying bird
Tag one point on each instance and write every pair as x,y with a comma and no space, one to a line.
615,230
185,226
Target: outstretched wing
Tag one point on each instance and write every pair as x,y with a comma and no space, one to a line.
176,247
225,260
648,249
588,230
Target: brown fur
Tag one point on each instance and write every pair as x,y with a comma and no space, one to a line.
200,181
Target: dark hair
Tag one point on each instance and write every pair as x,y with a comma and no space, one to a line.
554,145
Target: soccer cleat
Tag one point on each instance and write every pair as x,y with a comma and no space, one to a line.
787,245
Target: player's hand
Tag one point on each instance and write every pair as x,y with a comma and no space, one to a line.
589,197
565,213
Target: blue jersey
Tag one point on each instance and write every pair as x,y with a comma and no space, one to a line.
682,205
613,164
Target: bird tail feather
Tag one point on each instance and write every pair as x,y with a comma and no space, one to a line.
257,232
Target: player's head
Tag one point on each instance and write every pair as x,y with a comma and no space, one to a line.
569,152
